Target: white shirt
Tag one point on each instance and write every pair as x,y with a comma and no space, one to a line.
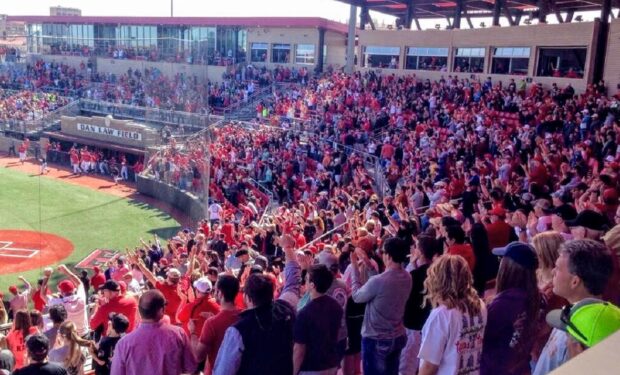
76,309
453,341
214,211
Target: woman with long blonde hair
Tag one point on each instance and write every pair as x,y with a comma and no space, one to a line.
70,355
547,245
452,335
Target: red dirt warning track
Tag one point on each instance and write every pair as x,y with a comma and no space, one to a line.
23,250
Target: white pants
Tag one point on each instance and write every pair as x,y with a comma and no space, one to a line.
409,360
124,173
76,168
22,156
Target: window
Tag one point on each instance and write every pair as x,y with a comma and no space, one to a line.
469,60
304,54
281,53
561,62
259,52
381,57
426,58
511,60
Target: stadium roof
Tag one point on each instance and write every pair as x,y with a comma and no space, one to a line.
472,8
292,22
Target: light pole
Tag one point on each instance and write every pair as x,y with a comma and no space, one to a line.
171,8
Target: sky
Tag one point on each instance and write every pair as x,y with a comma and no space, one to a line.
330,9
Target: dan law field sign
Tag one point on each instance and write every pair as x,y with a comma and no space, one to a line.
111,132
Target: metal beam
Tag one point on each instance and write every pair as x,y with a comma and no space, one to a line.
543,10
508,15
497,11
457,14
569,16
417,23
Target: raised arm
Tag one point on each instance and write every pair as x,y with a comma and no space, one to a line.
73,277
143,268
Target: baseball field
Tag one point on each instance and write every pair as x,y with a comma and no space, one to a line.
45,221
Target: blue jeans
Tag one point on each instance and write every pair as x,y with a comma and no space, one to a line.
382,357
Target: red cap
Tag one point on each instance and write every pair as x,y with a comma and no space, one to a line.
163,262
96,269
66,287
13,289
498,211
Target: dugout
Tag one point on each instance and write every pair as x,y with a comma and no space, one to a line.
109,137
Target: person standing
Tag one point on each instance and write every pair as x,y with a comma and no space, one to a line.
113,301
38,347
513,315
193,315
208,343
316,327
383,331
582,271
452,335
20,299
261,342
103,352
169,351
73,296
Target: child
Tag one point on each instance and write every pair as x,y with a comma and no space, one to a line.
103,353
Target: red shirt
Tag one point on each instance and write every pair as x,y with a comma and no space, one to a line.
38,301
466,252
127,306
173,298
193,311
212,334
15,343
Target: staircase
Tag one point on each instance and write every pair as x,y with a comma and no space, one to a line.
246,111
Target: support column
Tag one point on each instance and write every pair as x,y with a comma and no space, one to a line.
364,17
497,12
601,42
351,40
543,10
457,15
320,59
236,42
569,16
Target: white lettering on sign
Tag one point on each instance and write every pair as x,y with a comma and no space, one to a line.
110,132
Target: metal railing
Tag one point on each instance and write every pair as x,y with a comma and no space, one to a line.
321,237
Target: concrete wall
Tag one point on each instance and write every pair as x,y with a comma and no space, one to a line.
533,36
336,49
72,61
612,60
187,203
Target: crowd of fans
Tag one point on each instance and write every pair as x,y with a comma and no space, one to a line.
491,250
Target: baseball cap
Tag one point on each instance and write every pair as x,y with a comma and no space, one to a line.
522,253
566,212
111,285
66,287
203,285
589,321
13,289
588,219
240,253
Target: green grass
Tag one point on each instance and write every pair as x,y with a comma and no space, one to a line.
87,218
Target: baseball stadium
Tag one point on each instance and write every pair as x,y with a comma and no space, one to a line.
423,188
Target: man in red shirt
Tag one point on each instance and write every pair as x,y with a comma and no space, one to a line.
193,315
455,238
98,278
498,230
116,303
208,343
169,288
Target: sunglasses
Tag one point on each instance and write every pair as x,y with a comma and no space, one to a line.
565,318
